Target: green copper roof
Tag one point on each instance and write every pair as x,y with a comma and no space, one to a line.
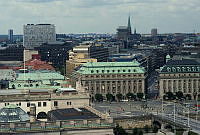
11,106
39,76
111,68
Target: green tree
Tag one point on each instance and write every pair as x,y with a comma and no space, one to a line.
146,128
119,131
119,96
135,131
179,94
130,96
192,133
99,97
109,97
140,132
140,95
188,97
170,95
155,129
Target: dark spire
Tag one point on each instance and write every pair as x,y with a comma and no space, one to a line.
129,25
135,31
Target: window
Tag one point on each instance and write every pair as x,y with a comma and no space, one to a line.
97,71
39,104
129,70
118,70
92,71
113,71
108,71
102,71
19,103
44,103
124,70
28,104
55,103
19,85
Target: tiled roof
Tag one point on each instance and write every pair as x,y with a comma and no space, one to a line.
38,65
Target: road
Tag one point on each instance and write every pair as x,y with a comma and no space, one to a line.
181,120
139,108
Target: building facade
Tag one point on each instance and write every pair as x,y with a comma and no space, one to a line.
36,35
112,77
179,75
44,100
10,36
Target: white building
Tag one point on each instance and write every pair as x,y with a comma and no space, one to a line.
35,35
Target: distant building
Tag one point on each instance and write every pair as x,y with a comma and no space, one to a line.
10,35
36,35
123,32
154,32
55,53
112,77
121,58
86,53
179,75
12,53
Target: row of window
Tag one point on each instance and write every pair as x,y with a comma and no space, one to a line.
180,75
40,104
113,71
129,75
183,69
129,81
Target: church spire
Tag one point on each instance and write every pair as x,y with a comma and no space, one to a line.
129,25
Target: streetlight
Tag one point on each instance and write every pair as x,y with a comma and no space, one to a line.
174,118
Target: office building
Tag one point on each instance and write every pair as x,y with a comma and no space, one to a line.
55,53
154,32
36,35
112,77
85,53
10,36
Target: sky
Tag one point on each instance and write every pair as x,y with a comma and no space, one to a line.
101,16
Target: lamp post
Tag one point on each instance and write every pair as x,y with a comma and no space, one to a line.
174,118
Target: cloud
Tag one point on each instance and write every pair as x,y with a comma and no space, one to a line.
74,16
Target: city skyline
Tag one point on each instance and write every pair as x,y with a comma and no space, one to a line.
102,16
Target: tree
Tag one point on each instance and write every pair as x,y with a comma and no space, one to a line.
99,97
155,129
165,97
170,95
119,131
135,131
146,128
119,96
188,97
109,97
140,132
140,95
179,94
130,96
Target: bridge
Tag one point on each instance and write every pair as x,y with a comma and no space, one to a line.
178,121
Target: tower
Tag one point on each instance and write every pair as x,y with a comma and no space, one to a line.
10,35
129,26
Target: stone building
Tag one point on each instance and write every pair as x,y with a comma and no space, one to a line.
179,75
112,77
44,100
